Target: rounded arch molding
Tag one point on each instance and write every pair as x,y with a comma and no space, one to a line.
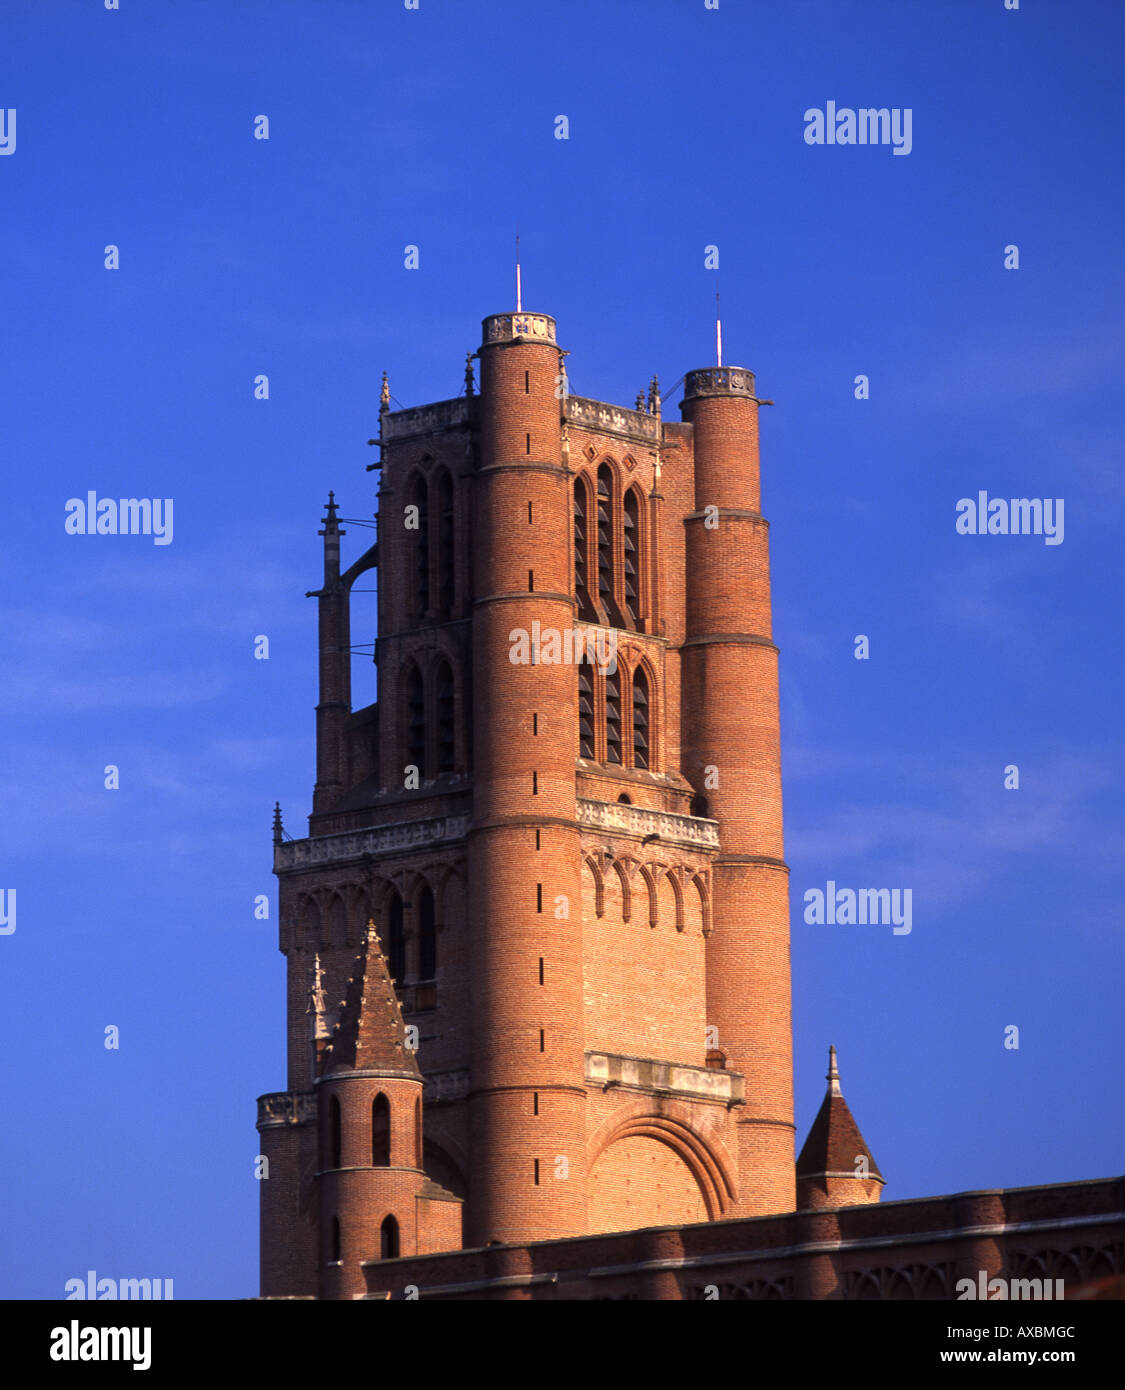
709,1170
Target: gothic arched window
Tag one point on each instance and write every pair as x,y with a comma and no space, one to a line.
418,1132
446,747
445,546
586,610
396,940
613,717
334,1134
380,1132
586,711
605,530
641,750
419,531
416,721
633,555
427,936
388,1239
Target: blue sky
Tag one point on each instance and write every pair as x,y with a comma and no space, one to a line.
286,257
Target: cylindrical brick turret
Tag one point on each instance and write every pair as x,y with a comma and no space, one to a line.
361,1187
528,1179
732,756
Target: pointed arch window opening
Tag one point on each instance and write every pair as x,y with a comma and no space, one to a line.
631,541
396,940
380,1132
605,528
444,538
446,749
416,721
586,748
641,749
586,610
613,718
427,936
335,1137
389,1239
422,550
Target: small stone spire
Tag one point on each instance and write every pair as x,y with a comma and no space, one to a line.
384,395
654,397
469,385
278,828
833,1077
639,404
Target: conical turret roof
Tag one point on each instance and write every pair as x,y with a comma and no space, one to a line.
370,1034
834,1142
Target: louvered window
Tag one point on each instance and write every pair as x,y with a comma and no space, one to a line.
613,717
640,719
632,535
585,711
605,537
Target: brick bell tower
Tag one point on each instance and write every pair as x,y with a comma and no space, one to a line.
563,817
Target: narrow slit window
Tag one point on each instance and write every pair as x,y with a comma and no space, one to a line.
419,498
445,546
585,711
605,537
581,572
632,533
641,750
445,733
380,1132
416,721
613,717
427,935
